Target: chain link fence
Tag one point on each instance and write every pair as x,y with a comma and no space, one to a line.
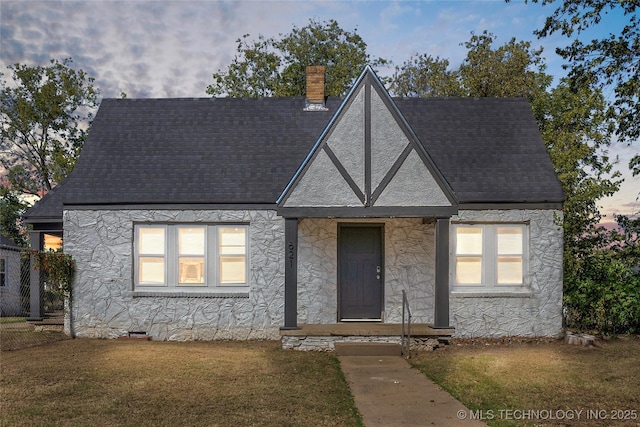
31,311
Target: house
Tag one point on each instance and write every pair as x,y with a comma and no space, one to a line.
197,219
10,296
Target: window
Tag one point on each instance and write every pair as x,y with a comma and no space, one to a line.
190,256
489,256
3,272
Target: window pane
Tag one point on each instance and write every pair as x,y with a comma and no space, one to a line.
191,241
469,241
151,271
233,269
191,270
510,241
232,240
151,240
468,270
509,270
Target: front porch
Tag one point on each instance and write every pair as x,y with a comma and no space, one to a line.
412,259
324,337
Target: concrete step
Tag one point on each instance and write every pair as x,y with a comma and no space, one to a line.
367,349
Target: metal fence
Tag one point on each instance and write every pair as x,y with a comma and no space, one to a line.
31,311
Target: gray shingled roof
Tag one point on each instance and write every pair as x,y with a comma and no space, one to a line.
7,243
488,149
228,151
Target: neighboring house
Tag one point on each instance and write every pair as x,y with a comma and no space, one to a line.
10,297
230,218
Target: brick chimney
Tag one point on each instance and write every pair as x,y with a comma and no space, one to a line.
315,88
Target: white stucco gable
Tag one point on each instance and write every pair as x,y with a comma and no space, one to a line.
367,157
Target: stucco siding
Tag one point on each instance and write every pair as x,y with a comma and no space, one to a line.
106,306
538,311
323,186
408,264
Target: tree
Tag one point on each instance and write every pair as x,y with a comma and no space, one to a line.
253,72
425,76
514,69
609,61
45,114
576,130
276,67
11,209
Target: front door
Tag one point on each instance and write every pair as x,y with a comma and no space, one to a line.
360,272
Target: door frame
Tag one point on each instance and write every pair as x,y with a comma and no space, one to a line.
379,226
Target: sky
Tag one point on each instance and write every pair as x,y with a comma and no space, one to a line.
157,49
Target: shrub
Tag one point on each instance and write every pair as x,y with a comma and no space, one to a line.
604,296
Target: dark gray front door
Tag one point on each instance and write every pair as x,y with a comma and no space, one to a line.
360,272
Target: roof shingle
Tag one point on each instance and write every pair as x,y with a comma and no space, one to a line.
230,151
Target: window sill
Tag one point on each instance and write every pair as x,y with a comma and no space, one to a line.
189,294
490,293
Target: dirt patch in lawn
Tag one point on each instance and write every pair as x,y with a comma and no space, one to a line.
143,383
541,382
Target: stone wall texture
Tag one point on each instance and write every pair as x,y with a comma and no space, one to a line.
105,304
535,313
409,264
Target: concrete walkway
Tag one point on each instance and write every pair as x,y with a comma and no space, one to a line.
388,392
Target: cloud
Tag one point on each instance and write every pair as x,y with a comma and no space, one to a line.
130,46
182,41
171,48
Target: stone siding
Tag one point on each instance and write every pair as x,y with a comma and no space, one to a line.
328,343
106,306
409,264
538,312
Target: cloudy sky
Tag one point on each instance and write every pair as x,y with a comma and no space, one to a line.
171,48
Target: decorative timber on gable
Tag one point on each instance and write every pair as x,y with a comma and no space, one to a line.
367,163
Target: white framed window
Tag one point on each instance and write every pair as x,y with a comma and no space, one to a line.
190,256
489,257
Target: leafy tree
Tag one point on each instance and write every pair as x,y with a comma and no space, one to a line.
425,76
342,52
610,61
626,240
276,67
11,209
45,114
605,298
253,72
576,130
514,69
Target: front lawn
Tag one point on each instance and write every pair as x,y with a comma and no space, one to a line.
542,383
142,383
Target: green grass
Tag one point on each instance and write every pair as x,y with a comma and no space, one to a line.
140,383
542,376
7,320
